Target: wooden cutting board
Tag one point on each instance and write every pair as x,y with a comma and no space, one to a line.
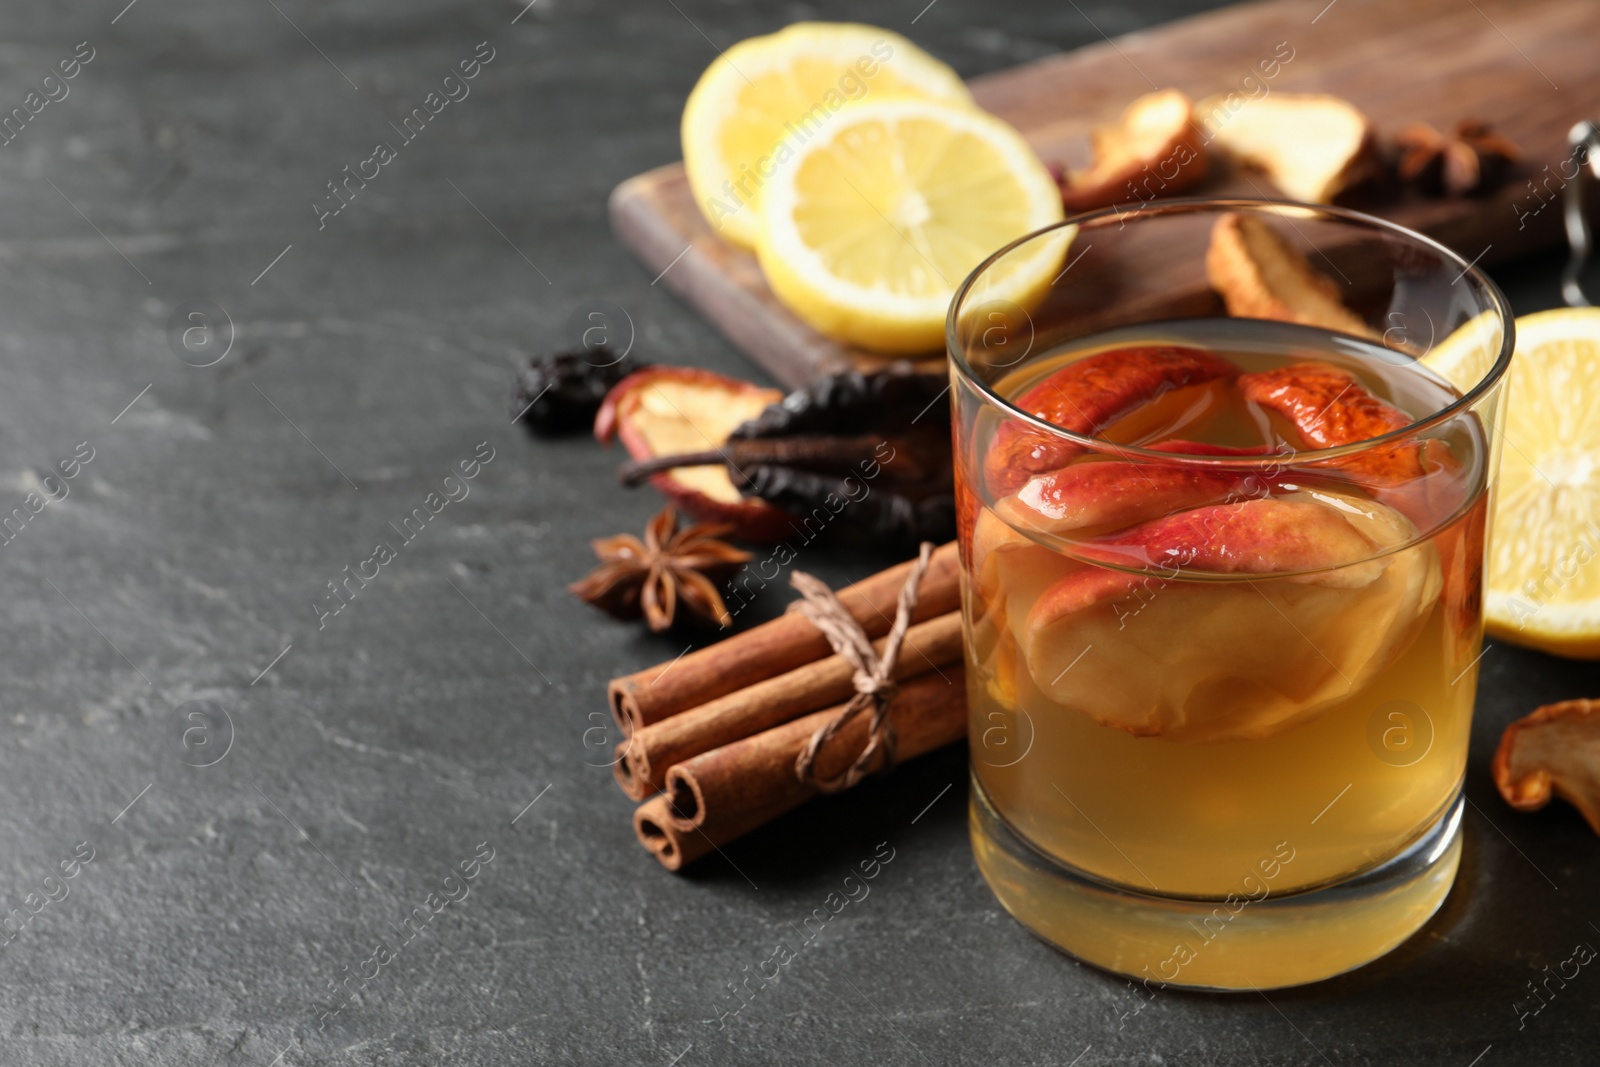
1529,67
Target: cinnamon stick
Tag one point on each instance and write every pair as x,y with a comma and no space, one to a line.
669,844
651,695
642,760
676,847
721,795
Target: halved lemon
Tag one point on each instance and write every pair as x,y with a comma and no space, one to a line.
765,97
1543,581
869,230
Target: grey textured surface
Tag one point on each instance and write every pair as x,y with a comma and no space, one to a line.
379,751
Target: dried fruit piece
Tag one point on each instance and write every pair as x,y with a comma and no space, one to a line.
560,394
1009,571
1154,150
1555,749
1156,654
990,538
670,410
1091,495
1330,408
1312,146
1295,535
1420,477
1085,397
1112,494
880,441
669,567
1326,404
1259,275
1471,160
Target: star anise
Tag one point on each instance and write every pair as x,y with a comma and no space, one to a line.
1472,159
669,567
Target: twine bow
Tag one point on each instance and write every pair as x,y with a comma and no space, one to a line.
873,677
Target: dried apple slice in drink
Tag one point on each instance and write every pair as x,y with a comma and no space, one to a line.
1007,562
1086,396
1421,478
1110,494
1329,407
1008,574
1203,646
1326,404
992,653
1306,533
1010,571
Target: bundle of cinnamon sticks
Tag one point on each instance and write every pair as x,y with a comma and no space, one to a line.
712,738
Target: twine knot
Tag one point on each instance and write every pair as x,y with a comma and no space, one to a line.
873,678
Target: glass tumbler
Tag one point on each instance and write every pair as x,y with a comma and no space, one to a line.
1222,474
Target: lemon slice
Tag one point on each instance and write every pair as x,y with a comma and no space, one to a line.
765,97
867,233
1544,546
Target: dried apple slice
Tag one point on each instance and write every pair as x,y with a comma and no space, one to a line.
1259,275
1330,408
1003,559
1297,535
660,411
990,538
1326,404
1556,749
1205,661
1311,145
1010,572
1086,396
1111,494
1154,150
1420,478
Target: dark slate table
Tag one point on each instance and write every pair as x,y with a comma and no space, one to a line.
268,788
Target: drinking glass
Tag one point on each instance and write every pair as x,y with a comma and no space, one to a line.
1223,582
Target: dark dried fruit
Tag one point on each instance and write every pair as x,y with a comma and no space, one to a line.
652,577
560,394
872,449
1473,159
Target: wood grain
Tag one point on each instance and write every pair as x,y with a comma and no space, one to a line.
1529,67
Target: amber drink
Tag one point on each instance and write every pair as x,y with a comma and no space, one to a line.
1223,599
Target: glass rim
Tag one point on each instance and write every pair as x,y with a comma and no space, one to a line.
1194,205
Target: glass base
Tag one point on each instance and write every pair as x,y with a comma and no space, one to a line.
1217,945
